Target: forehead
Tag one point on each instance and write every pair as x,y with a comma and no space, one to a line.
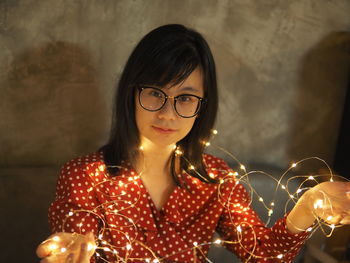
193,83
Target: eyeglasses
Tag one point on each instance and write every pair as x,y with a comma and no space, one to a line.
153,99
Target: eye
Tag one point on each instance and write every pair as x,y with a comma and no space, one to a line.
186,98
155,93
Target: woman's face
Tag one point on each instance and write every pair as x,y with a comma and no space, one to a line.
165,127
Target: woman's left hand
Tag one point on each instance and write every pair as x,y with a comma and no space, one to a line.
330,201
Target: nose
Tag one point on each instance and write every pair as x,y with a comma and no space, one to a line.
168,110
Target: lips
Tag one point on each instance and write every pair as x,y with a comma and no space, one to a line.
163,130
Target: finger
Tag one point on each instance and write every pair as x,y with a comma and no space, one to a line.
91,244
345,221
70,258
90,236
83,257
50,259
333,219
51,244
45,248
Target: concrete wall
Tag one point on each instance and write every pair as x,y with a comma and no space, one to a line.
282,69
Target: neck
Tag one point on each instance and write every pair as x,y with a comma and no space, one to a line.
154,158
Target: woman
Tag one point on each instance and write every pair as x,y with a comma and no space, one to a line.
151,194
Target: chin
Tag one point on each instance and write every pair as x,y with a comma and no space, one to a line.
158,141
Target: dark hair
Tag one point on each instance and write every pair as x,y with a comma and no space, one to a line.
168,54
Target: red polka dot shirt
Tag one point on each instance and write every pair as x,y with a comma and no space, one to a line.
128,227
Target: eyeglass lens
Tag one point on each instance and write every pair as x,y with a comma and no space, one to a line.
153,99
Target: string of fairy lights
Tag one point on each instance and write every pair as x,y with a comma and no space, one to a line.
101,246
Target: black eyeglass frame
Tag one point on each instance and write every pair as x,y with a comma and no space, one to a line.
200,99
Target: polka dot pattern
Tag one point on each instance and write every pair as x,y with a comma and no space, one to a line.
88,199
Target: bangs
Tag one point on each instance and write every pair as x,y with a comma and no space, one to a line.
172,64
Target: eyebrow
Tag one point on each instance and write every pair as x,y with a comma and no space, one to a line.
189,88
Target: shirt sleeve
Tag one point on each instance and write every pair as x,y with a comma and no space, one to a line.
247,236
75,208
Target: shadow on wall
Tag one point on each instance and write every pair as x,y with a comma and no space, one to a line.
51,109
52,106
320,101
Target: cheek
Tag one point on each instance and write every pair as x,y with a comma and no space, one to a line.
188,125
143,119
139,117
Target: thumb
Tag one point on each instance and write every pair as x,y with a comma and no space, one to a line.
45,248
91,244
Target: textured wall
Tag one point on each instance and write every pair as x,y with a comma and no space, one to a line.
282,69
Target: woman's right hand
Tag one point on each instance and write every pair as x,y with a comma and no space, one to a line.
67,248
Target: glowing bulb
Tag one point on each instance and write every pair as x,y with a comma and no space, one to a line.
242,167
106,249
272,203
309,229
211,175
222,181
191,167
332,226
178,152
121,183
141,148
218,241
261,200
329,218
90,246
294,165
63,249
283,187
53,246
291,196
207,143
215,132
155,260
318,203
331,180
270,212
239,229
101,168
100,236
128,246
280,256
57,238
311,177
298,191
195,243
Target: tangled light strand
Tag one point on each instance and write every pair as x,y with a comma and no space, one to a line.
112,208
